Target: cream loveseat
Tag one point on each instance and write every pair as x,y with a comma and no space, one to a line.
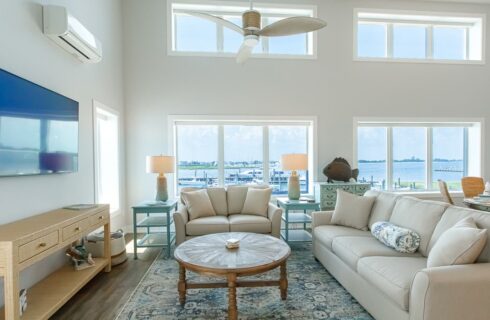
227,204
395,286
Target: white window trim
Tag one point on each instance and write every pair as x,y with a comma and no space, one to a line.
420,122
170,30
98,105
172,120
426,60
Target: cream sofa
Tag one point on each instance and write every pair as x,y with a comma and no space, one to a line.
396,286
227,204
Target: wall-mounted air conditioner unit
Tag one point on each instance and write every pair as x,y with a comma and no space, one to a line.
70,34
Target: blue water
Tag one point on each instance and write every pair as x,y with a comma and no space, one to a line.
412,172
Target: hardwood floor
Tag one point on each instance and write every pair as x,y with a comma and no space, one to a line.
104,296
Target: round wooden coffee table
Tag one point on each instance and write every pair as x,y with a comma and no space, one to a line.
208,255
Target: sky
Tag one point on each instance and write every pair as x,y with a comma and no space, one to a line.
410,142
241,143
409,41
195,34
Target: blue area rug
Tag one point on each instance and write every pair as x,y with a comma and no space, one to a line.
313,294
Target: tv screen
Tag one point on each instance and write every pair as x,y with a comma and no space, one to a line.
38,129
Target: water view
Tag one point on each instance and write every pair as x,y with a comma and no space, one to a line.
206,175
410,175
407,175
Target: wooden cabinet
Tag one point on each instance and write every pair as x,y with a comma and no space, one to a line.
27,241
326,193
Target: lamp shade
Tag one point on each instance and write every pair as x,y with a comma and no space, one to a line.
294,161
160,164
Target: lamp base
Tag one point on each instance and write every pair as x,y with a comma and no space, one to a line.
294,192
162,192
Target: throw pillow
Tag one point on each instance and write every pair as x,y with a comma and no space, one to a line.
198,204
401,239
460,244
257,201
352,210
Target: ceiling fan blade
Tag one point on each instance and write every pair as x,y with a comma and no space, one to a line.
244,53
292,25
215,19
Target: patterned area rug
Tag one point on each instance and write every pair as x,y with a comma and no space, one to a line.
313,294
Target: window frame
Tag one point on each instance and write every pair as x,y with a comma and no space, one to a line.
112,112
173,121
475,165
312,37
429,35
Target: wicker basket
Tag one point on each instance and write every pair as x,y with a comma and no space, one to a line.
95,245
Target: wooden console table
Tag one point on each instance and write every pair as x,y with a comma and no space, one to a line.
27,241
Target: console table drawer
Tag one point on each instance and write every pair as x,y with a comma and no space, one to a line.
37,246
75,229
98,217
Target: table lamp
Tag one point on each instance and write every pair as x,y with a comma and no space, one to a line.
294,162
160,165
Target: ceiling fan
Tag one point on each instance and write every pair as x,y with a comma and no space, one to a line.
252,30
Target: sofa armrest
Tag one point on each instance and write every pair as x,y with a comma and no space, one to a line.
274,214
451,293
181,217
320,218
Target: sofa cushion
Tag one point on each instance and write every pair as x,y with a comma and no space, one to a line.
326,233
352,210
455,214
236,198
198,204
218,200
393,236
203,226
249,223
187,189
257,201
392,275
420,216
382,207
351,249
460,244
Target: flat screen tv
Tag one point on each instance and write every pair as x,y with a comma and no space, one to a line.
38,129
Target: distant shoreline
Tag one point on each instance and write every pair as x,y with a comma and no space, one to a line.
407,160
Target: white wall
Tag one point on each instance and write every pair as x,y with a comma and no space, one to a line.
26,52
333,87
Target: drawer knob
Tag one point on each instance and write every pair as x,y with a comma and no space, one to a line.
77,229
43,244
101,217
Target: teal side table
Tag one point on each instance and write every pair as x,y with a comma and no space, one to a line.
296,235
326,193
157,215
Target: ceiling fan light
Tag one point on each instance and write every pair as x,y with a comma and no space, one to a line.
251,40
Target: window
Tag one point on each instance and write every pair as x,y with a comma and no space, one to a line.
190,35
418,36
107,156
414,155
197,154
225,152
243,154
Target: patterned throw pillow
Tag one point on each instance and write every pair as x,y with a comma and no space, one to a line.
401,239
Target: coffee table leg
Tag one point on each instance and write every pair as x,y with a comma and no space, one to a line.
283,282
232,306
182,285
